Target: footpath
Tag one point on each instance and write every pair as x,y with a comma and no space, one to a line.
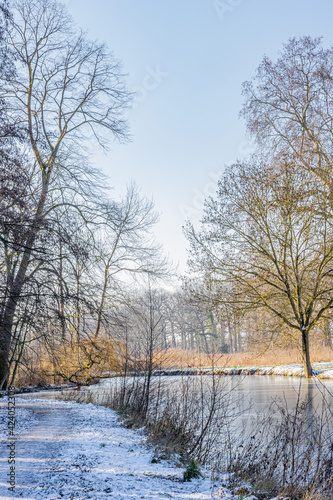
65,450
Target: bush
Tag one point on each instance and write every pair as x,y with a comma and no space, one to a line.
192,471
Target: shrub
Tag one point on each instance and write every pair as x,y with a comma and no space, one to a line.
192,471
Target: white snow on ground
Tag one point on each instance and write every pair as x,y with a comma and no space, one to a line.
322,370
68,451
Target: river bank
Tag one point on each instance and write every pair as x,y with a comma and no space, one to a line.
321,370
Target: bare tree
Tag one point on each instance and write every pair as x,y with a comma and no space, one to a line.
268,240
288,106
126,248
67,89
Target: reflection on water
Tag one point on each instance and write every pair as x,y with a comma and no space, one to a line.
254,394
262,390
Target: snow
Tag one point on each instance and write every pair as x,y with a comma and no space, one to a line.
67,450
322,370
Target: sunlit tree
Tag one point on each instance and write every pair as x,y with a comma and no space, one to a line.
267,240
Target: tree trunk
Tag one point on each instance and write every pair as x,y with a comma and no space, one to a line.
328,334
174,342
4,359
222,335
239,339
231,337
306,353
14,294
6,326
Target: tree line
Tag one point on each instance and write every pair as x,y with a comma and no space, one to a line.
66,245
79,269
70,254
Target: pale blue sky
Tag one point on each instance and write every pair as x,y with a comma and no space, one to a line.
187,60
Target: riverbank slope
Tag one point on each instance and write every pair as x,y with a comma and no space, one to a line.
322,370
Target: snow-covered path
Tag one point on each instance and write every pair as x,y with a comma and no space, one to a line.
67,450
40,440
